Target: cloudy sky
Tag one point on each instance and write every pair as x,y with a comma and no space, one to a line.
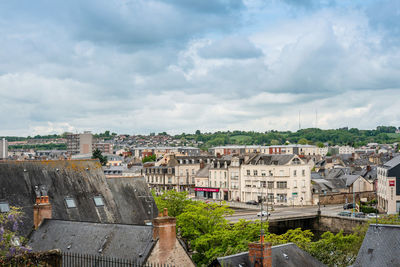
141,66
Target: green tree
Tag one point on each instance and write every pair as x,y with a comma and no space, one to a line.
174,201
199,218
320,145
336,250
149,158
98,155
302,141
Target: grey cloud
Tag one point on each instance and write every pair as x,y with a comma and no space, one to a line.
385,16
234,47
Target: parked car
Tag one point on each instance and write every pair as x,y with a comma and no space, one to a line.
345,213
372,215
348,206
263,213
359,215
252,202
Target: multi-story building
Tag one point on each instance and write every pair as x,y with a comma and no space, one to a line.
388,190
104,147
3,149
219,178
302,150
346,150
141,152
79,143
282,179
180,172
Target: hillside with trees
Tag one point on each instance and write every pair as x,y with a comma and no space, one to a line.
343,136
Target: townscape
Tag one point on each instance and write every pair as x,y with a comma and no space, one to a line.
137,191
209,133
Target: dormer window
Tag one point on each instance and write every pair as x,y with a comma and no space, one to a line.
70,202
4,207
98,201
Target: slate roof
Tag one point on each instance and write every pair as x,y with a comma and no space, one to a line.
392,163
204,172
113,240
126,200
262,159
288,255
350,178
381,247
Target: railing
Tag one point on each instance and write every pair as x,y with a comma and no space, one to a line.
67,259
82,260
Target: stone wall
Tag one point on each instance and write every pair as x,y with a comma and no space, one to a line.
340,198
336,224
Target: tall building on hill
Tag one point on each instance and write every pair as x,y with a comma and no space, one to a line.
3,149
79,143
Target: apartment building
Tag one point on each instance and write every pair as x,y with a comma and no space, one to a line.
281,179
219,178
79,143
179,170
389,186
141,152
3,149
302,150
104,147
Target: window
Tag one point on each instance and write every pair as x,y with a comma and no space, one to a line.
270,197
98,201
169,170
270,185
281,172
295,184
192,171
303,172
169,180
262,173
70,202
4,207
255,173
303,183
248,172
294,173
281,185
282,198
263,184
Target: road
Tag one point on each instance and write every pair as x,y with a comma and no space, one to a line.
282,212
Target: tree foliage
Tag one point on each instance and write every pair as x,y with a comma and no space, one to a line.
149,158
174,201
208,233
98,155
342,136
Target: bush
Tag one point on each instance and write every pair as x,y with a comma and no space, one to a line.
368,209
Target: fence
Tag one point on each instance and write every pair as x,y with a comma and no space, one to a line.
82,260
68,259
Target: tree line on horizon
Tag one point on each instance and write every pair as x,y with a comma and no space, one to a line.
313,136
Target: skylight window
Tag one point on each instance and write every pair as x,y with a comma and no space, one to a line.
98,201
4,207
70,202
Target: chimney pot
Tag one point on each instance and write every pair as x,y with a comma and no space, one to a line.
165,213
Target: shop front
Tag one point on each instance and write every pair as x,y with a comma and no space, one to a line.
206,192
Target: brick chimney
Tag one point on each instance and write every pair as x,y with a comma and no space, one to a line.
260,254
164,229
41,210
